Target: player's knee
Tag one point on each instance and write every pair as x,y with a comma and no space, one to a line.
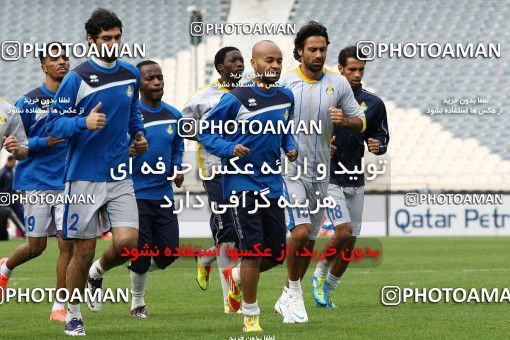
36,249
125,243
343,231
301,233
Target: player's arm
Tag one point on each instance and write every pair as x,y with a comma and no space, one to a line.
177,154
135,128
213,142
16,142
349,116
63,121
36,143
288,143
377,134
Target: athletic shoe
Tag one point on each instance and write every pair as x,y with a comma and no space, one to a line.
93,285
58,315
282,307
319,291
140,312
251,324
297,307
234,290
203,273
3,279
330,303
74,328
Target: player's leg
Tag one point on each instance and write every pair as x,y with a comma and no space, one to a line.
139,269
251,232
80,223
340,218
121,214
76,278
65,253
299,224
38,220
355,200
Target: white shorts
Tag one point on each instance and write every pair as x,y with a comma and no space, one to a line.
349,206
42,219
300,191
115,201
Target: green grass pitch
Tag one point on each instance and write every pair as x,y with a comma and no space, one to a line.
180,310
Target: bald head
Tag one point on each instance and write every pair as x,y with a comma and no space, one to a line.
266,60
263,47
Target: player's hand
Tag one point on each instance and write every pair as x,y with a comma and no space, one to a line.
54,140
11,144
96,120
132,150
374,145
292,155
337,116
140,143
178,180
332,147
241,151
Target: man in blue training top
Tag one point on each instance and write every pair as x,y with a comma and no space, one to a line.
264,102
159,227
95,107
42,174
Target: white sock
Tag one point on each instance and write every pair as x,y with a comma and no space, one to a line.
58,306
208,260
332,282
73,311
295,286
236,273
224,261
4,270
96,271
153,266
250,309
322,268
138,283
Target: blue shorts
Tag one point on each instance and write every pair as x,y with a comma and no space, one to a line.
266,226
158,228
222,225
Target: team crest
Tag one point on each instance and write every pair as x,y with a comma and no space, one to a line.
170,129
129,91
2,119
329,90
363,107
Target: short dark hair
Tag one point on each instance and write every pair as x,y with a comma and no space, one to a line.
102,20
11,158
312,29
350,52
146,62
219,58
43,56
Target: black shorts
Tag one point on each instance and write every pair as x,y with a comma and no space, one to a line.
158,228
266,226
222,225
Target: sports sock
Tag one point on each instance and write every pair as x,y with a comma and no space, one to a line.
322,268
250,309
96,271
73,311
332,282
138,283
224,261
4,270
